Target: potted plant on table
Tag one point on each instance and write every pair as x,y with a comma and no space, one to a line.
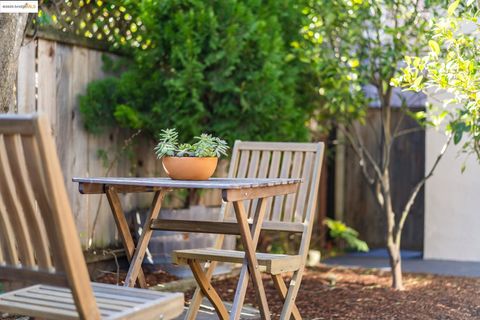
186,161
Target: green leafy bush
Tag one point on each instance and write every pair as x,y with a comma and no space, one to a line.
206,146
220,66
340,231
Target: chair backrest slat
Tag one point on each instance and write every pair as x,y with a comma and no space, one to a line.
243,164
273,173
13,206
264,164
284,173
285,160
37,230
6,234
2,259
40,190
304,187
252,173
36,215
290,200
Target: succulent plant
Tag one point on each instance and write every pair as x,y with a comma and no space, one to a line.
206,145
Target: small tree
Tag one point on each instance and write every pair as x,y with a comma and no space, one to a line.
12,26
453,65
356,44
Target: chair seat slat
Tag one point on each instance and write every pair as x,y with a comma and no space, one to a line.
103,304
120,292
57,302
112,295
101,298
273,263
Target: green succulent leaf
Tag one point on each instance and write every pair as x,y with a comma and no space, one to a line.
206,146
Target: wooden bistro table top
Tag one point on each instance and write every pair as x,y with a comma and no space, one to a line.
232,187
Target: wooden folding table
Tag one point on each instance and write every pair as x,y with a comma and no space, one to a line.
234,190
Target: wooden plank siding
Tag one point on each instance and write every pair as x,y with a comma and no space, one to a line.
51,77
361,211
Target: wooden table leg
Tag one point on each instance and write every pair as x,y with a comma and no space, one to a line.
123,229
244,274
136,263
250,257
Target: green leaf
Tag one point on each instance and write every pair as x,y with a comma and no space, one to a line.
452,7
417,82
434,46
457,136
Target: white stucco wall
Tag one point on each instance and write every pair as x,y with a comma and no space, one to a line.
452,204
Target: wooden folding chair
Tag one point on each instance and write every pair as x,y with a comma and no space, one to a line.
39,242
292,213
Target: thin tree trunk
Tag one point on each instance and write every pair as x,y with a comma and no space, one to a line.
396,265
12,29
393,246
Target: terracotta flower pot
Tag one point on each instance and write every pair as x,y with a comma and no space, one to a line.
189,168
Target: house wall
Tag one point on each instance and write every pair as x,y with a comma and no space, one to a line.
452,211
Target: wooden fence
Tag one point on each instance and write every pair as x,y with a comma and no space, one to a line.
51,76
360,209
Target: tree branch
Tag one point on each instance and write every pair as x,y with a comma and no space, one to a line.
359,151
408,131
416,190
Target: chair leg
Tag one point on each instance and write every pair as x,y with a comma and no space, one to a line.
292,292
198,295
282,289
207,289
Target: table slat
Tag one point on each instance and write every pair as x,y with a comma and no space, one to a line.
213,183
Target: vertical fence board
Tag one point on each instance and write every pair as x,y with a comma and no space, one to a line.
47,81
63,76
26,78
100,218
78,140
407,168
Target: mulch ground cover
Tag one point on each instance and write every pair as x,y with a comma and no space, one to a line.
342,293
345,293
